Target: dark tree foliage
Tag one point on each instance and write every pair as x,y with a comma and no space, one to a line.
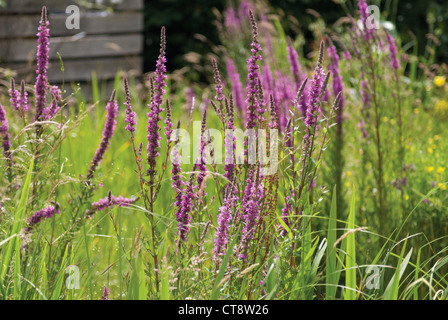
183,19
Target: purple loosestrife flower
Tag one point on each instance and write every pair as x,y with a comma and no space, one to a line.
245,8
253,77
346,55
237,88
130,114
312,112
338,84
250,210
43,49
366,99
267,37
51,111
105,294
392,51
224,219
286,211
176,176
109,202
183,216
201,159
108,132
294,65
168,122
362,127
155,107
40,215
286,90
368,32
14,95
231,20
23,97
4,134
267,80
190,99
229,143
219,95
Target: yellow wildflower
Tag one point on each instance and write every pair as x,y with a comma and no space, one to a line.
349,173
430,150
441,107
430,169
440,170
406,197
416,110
442,186
439,81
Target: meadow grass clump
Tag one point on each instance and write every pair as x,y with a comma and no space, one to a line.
321,192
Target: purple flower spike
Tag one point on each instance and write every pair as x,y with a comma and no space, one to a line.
312,113
51,111
155,107
183,201
294,64
392,51
111,201
4,134
43,50
183,216
105,294
231,20
201,159
176,176
109,128
338,84
219,95
14,95
368,31
168,122
253,77
23,102
130,114
224,219
40,215
237,88
286,211
250,211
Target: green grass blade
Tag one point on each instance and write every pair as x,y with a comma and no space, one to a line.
391,292
225,261
332,276
60,280
18,220
350,265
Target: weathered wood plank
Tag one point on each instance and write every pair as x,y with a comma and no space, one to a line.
81,70
69,48
35,6
91,22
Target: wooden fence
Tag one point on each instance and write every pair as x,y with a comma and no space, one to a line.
110,38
